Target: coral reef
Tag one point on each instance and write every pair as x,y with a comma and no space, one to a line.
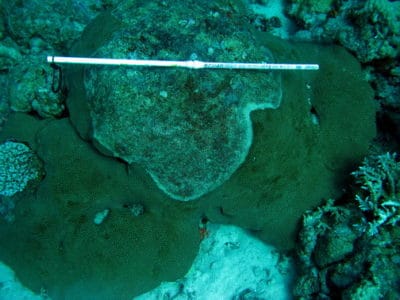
351,250
267,194
289,149
293,160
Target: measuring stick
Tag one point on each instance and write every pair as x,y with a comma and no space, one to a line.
191,64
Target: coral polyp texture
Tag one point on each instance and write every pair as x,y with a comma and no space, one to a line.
190,129
18,166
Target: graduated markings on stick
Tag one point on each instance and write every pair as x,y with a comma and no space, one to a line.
191,64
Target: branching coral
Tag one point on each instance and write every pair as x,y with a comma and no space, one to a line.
379,177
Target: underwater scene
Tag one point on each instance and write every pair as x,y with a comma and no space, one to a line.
194,149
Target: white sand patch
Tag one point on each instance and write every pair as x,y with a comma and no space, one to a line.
231,264
11,288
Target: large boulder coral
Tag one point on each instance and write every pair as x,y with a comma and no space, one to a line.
190,129
300,151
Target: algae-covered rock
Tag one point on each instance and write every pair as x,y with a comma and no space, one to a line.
365,290
335,245
190,129
30,88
